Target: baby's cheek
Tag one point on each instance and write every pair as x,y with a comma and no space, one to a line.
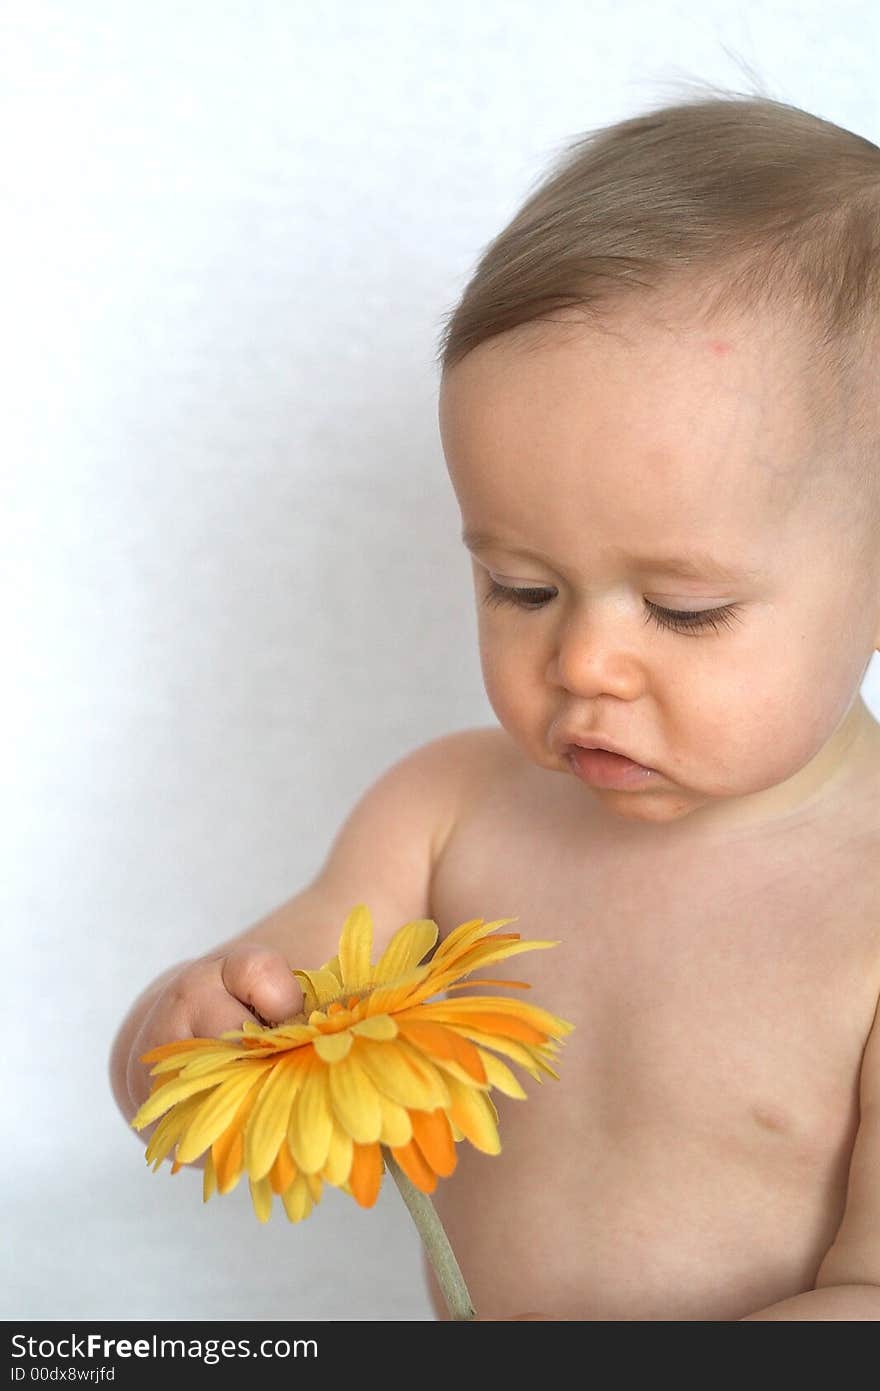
502,693
503,674
520,705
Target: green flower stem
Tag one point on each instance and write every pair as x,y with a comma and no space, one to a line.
435,1242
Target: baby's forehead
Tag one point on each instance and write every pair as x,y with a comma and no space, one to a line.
659,379
644,343
769,447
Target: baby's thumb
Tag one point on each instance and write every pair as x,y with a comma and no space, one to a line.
261,978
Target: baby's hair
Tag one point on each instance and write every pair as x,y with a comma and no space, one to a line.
751,203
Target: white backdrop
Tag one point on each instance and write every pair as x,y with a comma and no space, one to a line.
233,587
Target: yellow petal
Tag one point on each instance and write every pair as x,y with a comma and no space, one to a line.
335,969
389,998
499,1075
354,1101
227,1150
323,986
217,1110
332,1048
355,946
267,1126
467,933
404,1078
297,1200
406,949
261,1196
378,1026
209,1179
461,935
178,1090
396,1124
193,1063
339,1157
296,1034
179,1046
447,1066
483,954
169,1130
311,1122
475,1116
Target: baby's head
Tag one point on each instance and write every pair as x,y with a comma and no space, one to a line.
661,396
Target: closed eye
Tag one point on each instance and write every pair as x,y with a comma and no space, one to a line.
686,622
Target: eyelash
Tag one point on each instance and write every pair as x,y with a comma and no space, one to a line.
688,624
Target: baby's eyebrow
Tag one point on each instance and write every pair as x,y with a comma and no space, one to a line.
695,565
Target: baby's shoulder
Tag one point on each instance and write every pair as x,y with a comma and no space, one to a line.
462,767
459,772
479,745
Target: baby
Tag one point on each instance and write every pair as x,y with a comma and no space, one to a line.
659,410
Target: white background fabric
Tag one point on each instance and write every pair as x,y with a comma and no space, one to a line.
233,586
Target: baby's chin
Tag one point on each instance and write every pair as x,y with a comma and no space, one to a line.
654,807
656,804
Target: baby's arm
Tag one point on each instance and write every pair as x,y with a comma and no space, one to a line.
847,1284
383,856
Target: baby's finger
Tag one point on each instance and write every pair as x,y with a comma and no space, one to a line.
260,977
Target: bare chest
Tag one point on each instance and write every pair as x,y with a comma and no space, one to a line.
721,997
752,965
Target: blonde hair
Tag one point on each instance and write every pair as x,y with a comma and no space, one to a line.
753,202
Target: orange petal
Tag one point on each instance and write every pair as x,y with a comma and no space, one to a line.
532,1057
283,1171
416,1167
470,983
454,959
434,1138
366,1174
228,1149
505,1025
438,1041
228,1155
466,933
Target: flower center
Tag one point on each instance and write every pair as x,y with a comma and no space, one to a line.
344,1002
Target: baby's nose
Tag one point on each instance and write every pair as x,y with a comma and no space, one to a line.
595,655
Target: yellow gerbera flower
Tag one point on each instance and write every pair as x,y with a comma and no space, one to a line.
369,1063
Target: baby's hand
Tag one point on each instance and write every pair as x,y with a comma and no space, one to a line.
210,995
